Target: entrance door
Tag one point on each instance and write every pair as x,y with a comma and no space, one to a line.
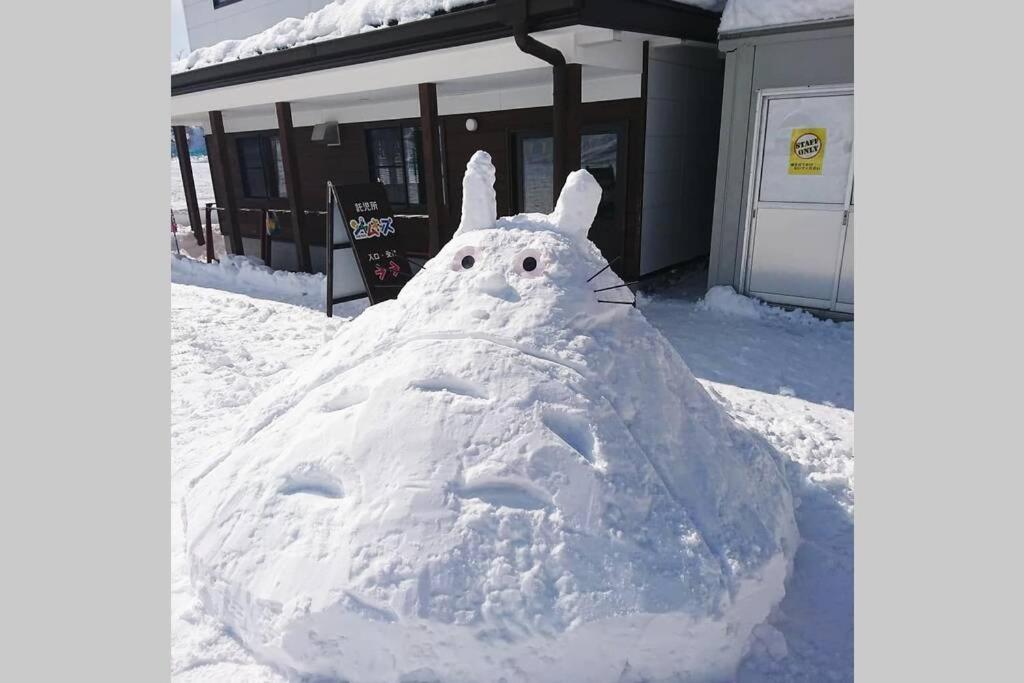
603,154
800,235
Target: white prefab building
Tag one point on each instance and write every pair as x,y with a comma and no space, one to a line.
783,227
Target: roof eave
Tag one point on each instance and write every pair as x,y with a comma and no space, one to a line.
472,24
796,27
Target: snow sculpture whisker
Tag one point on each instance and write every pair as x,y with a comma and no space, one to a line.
624,284
607,266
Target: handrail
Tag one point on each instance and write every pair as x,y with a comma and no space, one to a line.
266,244
268,210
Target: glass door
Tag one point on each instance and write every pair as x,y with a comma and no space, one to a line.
535,161
603,155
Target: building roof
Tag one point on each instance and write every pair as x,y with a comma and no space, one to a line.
752,15
358,31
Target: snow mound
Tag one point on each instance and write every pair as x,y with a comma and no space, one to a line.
248,275
741,15
724,299
337,19
494,477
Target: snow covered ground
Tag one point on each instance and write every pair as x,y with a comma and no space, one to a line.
787,376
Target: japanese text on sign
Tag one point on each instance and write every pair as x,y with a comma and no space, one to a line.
807,151
363,229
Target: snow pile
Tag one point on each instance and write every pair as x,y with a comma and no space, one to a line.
725,299
751,14
490,477
335,20
184,243
248,275
338,19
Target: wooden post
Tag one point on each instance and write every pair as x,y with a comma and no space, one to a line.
573,124
230,202
286,135
432,165
264,237
209,233
188,183
565,126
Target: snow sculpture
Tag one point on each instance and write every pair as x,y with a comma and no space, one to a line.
495,476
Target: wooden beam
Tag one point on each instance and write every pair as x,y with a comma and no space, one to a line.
565,127
432,166
188,182
573,117
222,159
286,135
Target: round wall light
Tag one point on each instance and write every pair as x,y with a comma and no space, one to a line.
471,125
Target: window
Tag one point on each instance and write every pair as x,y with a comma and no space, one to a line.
217,4
536,173
262,167
395,161
599,155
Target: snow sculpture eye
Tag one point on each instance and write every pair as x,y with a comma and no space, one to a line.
465,259
529,263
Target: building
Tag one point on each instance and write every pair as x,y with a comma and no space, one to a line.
628,89
784,210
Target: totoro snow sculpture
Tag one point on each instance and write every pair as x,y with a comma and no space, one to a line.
494,477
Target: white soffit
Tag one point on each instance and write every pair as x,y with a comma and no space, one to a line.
501,92
605,54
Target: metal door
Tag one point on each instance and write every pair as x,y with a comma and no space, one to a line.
800,238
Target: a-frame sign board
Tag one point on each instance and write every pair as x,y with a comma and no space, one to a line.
364,254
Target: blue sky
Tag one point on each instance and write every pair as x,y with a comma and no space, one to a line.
179,37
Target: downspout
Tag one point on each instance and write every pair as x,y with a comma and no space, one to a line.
515,13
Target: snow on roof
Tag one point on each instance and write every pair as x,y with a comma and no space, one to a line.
338,19
742,15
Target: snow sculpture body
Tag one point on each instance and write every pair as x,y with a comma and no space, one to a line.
495,477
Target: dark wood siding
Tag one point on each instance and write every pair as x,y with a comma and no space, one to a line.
348,164
318,163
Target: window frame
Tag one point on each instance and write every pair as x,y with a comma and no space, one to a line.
218,4
272,181
373,168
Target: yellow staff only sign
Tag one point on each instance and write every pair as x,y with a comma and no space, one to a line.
807,151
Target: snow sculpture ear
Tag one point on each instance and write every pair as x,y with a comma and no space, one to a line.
577,205
479,206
